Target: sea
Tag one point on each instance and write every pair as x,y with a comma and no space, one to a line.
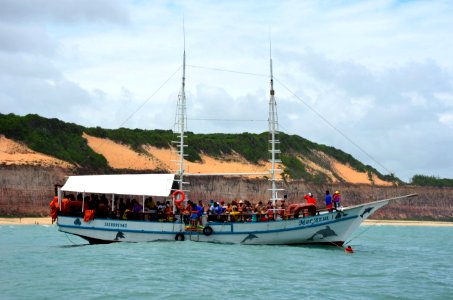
389,262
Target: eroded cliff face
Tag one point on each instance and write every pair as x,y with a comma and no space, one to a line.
27,191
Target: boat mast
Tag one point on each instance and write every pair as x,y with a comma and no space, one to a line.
273,135
181,121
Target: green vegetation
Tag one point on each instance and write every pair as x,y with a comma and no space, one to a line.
296,169
423,180
134,137
64,141
53,137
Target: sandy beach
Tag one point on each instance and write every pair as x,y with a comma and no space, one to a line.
26,221
48,221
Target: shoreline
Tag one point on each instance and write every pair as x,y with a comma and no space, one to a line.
26,221
48,221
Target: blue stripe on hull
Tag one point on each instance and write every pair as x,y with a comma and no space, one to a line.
213,226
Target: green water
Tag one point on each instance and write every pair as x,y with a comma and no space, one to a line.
390,262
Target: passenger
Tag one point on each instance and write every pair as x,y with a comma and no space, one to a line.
103,209
168,212
121,207
65,205
217,211
200,210
126,213
263,215
54,209
328,201
336,200
136,207
91,202
128,203
270,210
234,214
310,199
160,207
212,207
95,201
241,206
259,206
223,206
194,214
229,208
248,211
255,214
283,209
150,204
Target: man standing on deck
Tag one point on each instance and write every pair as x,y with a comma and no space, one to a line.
328,201
336,200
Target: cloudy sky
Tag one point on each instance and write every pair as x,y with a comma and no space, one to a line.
373,78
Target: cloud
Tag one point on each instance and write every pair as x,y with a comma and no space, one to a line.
396,112
379,72
63,11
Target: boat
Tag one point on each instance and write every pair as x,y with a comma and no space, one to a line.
301,224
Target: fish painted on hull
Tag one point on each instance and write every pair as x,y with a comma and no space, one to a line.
119,235
366,211
322,234
250,237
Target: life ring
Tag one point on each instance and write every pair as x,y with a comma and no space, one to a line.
180,237
178,192
207,231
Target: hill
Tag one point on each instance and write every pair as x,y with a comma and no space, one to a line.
36,153
35,140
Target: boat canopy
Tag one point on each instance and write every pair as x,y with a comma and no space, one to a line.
136,184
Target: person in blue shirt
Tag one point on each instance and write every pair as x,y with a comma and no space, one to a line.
200,212
328,201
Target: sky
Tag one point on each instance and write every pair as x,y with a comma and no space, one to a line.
372,78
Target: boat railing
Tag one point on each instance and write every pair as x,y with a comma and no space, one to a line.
273,214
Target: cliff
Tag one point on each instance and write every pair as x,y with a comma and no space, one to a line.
27,190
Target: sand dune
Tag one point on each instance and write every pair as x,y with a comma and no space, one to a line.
152,158
14,153
121,156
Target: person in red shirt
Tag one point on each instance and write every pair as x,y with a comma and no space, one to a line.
310,199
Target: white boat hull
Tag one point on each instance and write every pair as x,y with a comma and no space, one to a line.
325,228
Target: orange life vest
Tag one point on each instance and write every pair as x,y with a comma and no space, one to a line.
89,215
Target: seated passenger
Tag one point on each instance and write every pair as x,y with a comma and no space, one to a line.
126,214
168,212
234,214
136,207
150,204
